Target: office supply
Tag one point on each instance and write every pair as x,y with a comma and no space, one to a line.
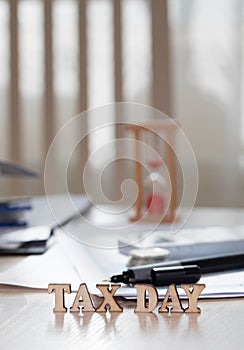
191,242
12,211
13,207
193,250
57,211
31,239
34,238
160,276
143,274
11,169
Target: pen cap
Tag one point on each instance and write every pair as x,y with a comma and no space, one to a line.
164,276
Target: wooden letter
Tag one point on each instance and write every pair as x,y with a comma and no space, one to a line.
193,296
171,301
59,290
108,294
82,300
141,298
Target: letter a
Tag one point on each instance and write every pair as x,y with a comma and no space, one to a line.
171,301
82,300
141,298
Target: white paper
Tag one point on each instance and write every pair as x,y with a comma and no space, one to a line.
23,235
37,271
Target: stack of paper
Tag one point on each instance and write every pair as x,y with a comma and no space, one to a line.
35,237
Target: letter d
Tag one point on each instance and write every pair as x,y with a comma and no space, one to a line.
152,294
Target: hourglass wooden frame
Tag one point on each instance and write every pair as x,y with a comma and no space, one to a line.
168,129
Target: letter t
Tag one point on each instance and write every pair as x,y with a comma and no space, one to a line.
59,290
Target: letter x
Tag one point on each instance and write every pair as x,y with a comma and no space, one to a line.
108,294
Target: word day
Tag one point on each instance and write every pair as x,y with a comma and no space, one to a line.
147,298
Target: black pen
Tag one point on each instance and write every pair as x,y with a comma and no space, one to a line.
143,274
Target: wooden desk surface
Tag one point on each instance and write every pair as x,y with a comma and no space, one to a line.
28,322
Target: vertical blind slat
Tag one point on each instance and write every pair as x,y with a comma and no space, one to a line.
83,79
160,50
117,51
14,139
118,94
82,54
48,95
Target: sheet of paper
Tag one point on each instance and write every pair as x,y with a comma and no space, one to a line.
38,271
22,235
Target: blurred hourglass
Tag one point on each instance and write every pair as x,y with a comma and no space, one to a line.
154,171
154,187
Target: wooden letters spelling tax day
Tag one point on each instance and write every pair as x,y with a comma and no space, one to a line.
147,298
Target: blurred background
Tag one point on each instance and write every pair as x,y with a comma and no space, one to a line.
184,57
